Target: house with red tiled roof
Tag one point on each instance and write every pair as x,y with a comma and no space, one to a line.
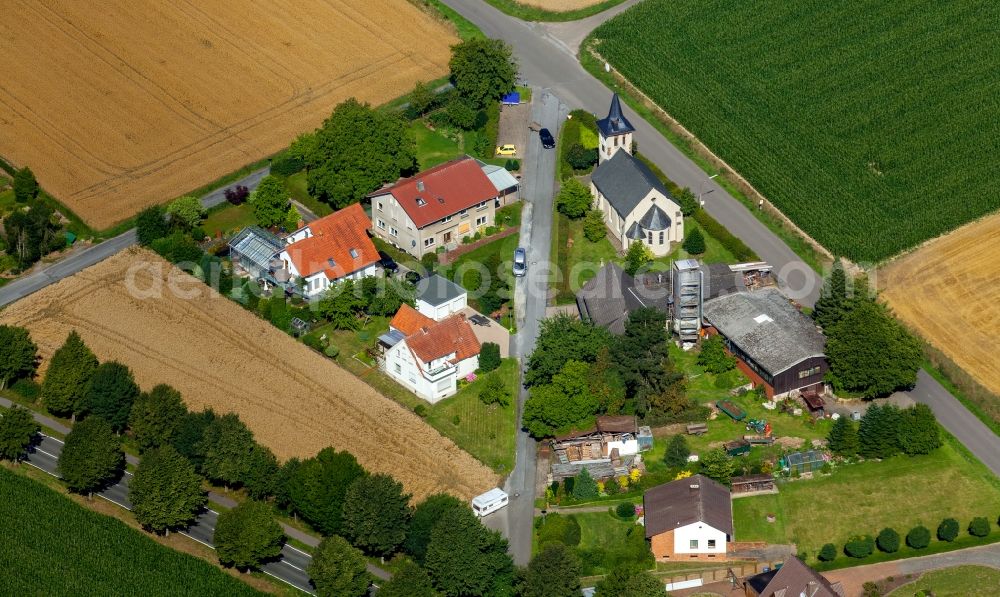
429,357
333,248
437,207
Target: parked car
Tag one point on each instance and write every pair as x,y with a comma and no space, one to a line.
507,150
548,141
520,262
387,262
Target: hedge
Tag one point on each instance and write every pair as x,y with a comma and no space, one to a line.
739,249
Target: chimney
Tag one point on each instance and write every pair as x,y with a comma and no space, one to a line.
420,186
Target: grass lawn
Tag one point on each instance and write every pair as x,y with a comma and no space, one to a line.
298,188
435,146
900,492
7,201
228,219
502,247
576,264
960,581
607,541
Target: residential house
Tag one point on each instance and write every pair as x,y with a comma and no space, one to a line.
636,205
607,450
439,297
689,519
438,207
792,579
430,359
777,346
253,251
330,249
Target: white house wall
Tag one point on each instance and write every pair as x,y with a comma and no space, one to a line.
402,366
702,533
443,310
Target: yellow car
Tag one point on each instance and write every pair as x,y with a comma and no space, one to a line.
507,150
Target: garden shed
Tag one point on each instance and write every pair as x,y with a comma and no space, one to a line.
804,462
748,483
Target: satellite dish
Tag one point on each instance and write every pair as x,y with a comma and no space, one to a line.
607,67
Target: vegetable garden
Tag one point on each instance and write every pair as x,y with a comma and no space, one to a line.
872,129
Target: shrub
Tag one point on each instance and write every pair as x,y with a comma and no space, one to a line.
585,487
860,546
491,230
429,261
827,553
27,389
489,357
332,351
198,233
979,527
287,166
695,242
593,226
237,195
625,510
919,537
494,391
568,484
888,540
151,225
455,420
580,158
947,530
420,410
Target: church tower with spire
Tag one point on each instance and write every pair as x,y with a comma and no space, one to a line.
615,132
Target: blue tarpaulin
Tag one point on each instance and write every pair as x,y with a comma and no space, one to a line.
513,98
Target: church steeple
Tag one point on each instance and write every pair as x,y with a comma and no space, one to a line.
615,131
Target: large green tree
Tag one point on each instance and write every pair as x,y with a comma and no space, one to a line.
594,228
833,301
165,491
376,514
151,225
66,379
574,199
357,149
878,431
694,242
156,416
629,580
17,430
110,394
185,212
552,572
228,445
317,488
32,233
409,580
843,438
918,430
482,69
425,516
716,464
637,256
25,185
247,535
641,356
339,570
713,356
466,559
18,354
560,339
677,452
342,304
562,404
92,456
871,353
261,477
190,432
269,202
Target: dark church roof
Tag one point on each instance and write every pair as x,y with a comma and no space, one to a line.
655,219
615,123
625,181
635,232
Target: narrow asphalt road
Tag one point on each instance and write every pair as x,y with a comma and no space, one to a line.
548,61
41,278
530,299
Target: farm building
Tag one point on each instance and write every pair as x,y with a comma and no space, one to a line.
689,519
804,462
333,248
791,578
428,358
748,483
439,297
440,206
252,251
607,450
636,205
776,346
607,299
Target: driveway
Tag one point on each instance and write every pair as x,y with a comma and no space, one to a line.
514,127
491,332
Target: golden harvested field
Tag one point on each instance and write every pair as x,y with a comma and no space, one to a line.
118,105
222,356
947,290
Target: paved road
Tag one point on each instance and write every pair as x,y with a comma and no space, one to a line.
41,278
531,296
547,61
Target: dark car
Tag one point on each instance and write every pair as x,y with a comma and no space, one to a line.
387,262
548,142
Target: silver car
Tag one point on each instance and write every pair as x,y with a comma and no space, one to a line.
520,262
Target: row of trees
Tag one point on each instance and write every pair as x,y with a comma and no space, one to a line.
869,351
888,539
578,370
886,430
34,231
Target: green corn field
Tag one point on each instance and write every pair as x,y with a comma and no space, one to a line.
873,125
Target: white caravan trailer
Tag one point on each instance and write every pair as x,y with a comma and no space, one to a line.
489,502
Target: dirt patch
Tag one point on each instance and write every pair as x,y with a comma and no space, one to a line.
790,442
221,356
119,105
947,291
560,5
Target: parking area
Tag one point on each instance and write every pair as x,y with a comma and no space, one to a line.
513,128
488,330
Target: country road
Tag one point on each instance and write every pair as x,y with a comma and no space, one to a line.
546,55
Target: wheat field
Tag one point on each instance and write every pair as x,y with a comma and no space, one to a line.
119,105
168,327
